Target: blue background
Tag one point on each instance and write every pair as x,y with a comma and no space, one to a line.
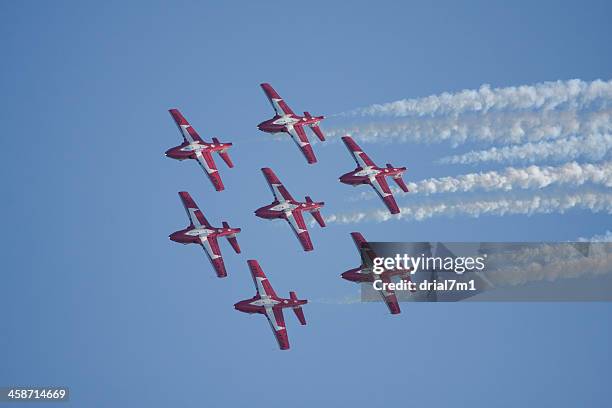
94,295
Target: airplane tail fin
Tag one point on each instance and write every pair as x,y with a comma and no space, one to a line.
298,309
408,277
398,180
316,214
223,153
315,127
232,238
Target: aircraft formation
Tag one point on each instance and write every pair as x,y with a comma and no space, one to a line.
284,206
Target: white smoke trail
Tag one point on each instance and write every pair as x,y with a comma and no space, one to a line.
543,203
532,177
566,95
494,127
606,237
549,263
527,178
592,147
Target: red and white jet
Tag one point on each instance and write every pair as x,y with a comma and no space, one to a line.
268,303
287,121
201,232
367,172
284,206
193,147
364,272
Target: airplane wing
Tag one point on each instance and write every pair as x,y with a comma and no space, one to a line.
211,247
262,286
366,252
389,296
280,192
299,137
196,217
382,188
296,220
359,156
207,163
279,105
189,133
277,323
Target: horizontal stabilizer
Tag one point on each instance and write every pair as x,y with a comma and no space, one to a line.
234,243
232,238
298,309
315,213
408,277
400,182
398,178
226,159
315,127
317,131
318,218
223,153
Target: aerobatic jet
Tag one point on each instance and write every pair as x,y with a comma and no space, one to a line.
364,272
269,304
193,147
201,232
367,172
284,206
287,121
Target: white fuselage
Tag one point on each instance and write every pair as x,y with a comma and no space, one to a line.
367,172
285,120
196,147
284,206
265,302
200,232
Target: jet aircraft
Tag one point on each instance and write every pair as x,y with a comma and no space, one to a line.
286,121
201,232
364,273
266,302
285,207
193,147
367,172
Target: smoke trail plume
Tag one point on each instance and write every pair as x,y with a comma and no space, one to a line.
565,95
527,178
532,177
494,127
606,237
542,203
548,262
592,147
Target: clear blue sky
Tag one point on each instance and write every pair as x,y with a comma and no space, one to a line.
94,295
